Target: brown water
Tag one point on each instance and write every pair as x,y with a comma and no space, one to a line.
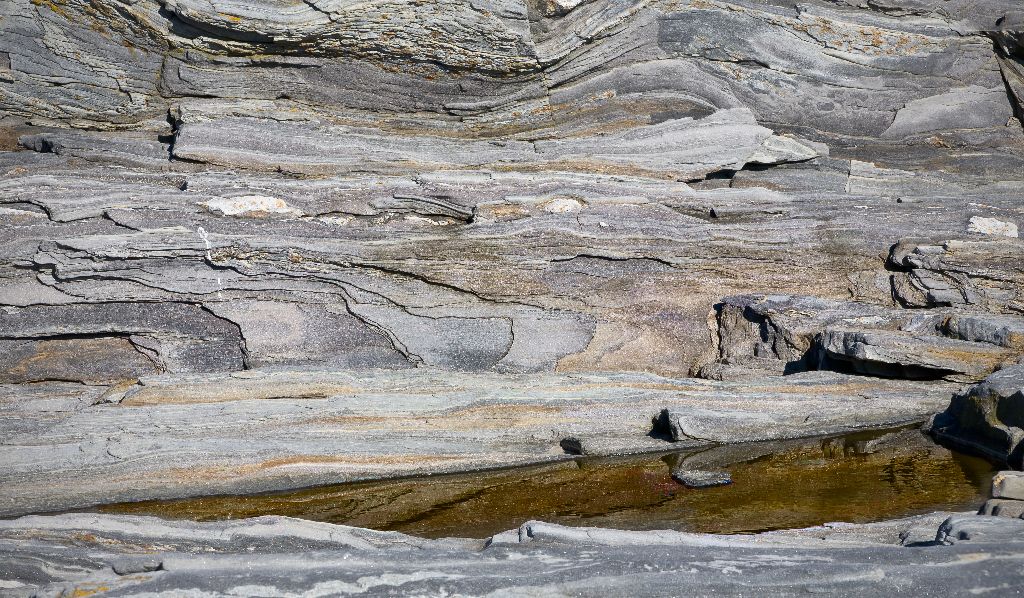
857,478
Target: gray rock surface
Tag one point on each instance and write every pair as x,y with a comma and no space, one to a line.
171,436
976,272
988,417
966,528
787,334
1008,484
493,186
1000,507
257,245
122,556
695,478
903,355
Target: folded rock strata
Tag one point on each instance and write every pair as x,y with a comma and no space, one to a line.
786,334
490,186
983,273
683,149
259,245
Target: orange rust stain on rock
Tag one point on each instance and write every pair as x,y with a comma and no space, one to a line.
82,591
324,461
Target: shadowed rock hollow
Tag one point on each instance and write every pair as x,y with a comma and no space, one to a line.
265,244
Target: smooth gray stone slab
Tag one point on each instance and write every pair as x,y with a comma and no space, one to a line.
194,434
290,557
1000,507
1008,484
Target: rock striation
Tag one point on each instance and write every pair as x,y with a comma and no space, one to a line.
127,555
173,436
263,244
783,334
500,186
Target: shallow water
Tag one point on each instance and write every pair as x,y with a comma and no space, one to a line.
857,478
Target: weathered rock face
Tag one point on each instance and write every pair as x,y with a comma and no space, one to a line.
776,334
1007,496
121,555
988,417
456,58
254,245
494,186
173,436
973,273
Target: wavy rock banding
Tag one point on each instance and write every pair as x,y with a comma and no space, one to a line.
252,246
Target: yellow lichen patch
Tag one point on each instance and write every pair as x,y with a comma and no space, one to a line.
54,5
396,463
87,590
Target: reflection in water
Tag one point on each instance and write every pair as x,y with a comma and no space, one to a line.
858,478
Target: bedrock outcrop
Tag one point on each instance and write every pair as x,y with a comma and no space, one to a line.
988,417
173,436
510,186
126,555
258,245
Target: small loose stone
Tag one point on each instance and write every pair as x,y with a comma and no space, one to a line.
1008,484
702,479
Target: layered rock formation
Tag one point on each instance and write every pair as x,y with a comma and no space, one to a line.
1007,496
491,186
176,436
123,555
259,245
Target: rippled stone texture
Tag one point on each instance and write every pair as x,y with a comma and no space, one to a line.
466,195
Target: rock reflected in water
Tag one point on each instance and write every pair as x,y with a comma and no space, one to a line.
857,478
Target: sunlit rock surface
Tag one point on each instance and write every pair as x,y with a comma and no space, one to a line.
988,417
187,435
499,186
124,555
222,223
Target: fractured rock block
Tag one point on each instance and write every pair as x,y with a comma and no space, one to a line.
90,360
988,417
118,340
906,355
784,327
1008,484
988,274
998,507
784,334
996,329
